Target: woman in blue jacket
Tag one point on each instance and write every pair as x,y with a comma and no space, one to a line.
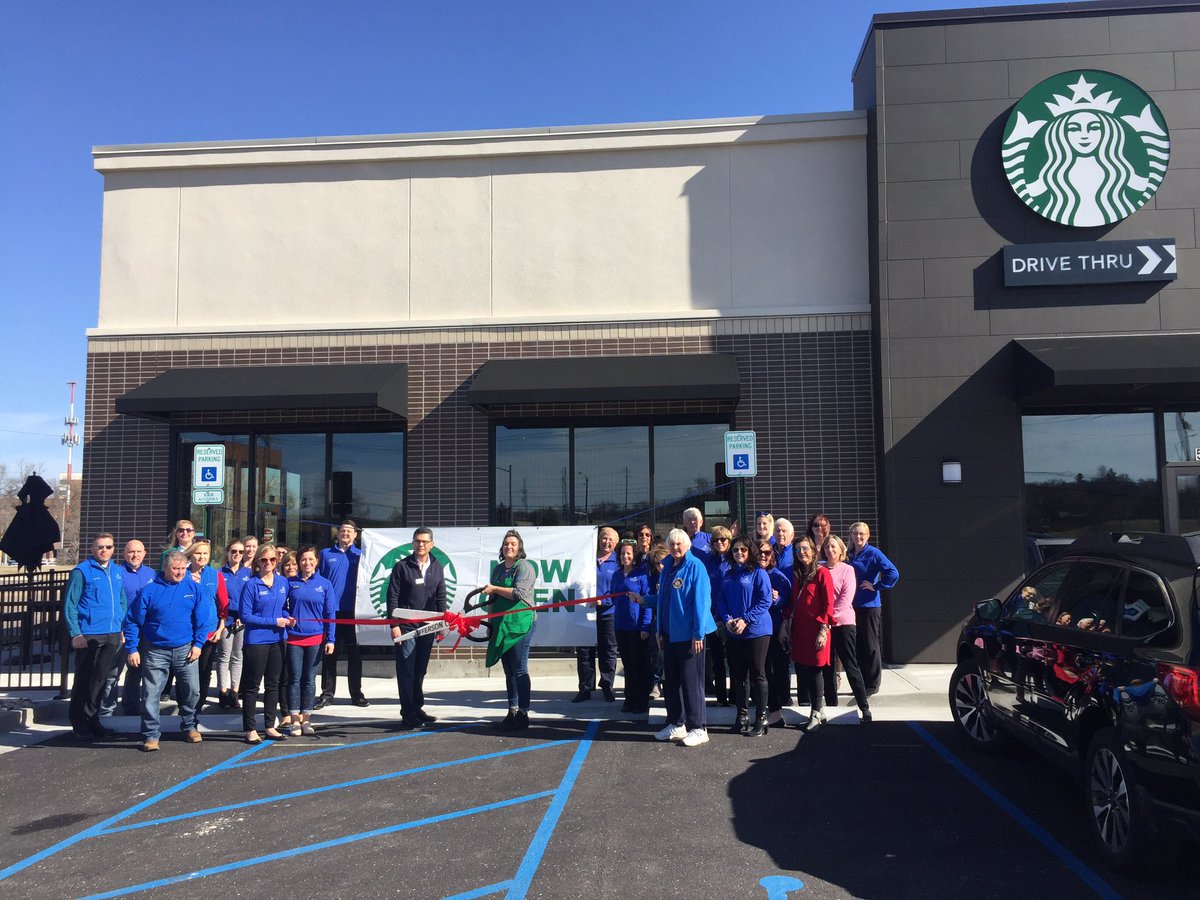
263,608
779,663
684,606
744,610
632,624
310,597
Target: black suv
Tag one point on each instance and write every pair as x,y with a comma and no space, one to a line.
1093,661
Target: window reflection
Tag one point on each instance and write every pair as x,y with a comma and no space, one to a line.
532,477
367,479
612,478
1182,432
290,474
689,461
227,520
1090,473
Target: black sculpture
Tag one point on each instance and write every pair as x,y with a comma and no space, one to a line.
33,531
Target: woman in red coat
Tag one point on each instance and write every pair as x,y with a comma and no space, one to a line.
806,623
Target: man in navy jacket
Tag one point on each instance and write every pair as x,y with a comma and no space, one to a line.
417,582
94,608
167,626
339,564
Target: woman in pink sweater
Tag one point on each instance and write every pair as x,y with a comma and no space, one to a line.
844,635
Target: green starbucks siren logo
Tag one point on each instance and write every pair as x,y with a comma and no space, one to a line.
1086,148
383,571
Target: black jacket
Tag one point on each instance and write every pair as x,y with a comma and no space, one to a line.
404,591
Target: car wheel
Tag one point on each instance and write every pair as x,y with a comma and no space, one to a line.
972,710
1120,819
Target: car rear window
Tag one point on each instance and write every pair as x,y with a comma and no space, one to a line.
1147,610
1089,597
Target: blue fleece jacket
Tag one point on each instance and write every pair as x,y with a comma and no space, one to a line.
627,615
234,582
683,600
135,579
605,573
259,607
872,566
169,615
312,599
781,582
746,594
95,601
341,568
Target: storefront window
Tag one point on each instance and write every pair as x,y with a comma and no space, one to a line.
1087,473
612,474
367,479
607,474
532,476
295,487
688,463
220,523
1181,431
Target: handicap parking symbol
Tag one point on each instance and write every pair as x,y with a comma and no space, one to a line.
208,474
741,462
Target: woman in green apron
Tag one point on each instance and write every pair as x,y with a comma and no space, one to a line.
511,588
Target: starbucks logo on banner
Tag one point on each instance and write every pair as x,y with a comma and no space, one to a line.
383,571
1085,148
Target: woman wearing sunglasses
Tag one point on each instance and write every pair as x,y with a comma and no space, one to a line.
263,607
744,609
180,538
229,663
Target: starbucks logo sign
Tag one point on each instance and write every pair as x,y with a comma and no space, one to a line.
1085,148
383,571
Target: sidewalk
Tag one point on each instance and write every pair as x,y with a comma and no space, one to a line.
910,692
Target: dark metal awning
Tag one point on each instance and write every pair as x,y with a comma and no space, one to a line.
1139,368
699,376
365,385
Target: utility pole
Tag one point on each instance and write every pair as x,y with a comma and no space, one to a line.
70,440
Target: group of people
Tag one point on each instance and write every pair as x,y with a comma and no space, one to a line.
729,614
265,618
753,609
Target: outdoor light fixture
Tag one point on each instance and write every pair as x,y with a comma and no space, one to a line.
951,471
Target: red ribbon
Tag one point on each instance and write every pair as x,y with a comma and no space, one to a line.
464,624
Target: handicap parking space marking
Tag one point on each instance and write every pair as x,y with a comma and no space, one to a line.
308,792
354,745
515,887
1065,856
779,886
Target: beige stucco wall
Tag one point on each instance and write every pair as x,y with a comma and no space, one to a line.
644,221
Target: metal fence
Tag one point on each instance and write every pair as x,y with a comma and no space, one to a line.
34,649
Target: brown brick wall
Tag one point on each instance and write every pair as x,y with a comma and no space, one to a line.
807,393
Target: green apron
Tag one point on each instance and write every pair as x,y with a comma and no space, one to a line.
507,630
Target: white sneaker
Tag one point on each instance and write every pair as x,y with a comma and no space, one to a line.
671,732
696,737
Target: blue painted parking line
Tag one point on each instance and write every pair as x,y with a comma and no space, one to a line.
355,745
325,788
99,827
321,845
1065,856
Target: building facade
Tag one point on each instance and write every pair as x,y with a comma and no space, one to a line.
556,326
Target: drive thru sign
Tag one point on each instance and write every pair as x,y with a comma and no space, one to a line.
208,474
741,457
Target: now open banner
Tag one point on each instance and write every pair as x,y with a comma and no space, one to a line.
565,558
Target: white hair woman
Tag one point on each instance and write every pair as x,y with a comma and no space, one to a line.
683,602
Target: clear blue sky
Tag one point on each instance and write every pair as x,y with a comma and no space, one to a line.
75,75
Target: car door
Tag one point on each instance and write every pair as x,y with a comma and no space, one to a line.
1004,651
1073,650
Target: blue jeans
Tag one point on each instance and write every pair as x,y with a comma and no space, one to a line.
516,671
412,662
157,664
302,677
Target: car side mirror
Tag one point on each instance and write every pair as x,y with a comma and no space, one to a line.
988,610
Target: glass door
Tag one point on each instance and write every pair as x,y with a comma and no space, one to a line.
1181,498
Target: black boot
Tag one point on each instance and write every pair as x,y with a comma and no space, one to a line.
760,726
508,724
521,722
741,724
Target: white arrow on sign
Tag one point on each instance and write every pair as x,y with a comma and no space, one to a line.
1152,260
1170,269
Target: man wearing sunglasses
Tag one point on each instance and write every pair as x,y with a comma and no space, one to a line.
94,608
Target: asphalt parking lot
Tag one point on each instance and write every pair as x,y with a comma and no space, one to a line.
572,806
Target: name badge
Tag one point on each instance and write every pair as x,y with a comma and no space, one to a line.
419,581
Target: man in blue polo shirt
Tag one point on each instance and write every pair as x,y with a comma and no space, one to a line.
339,564
167,626
94,607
